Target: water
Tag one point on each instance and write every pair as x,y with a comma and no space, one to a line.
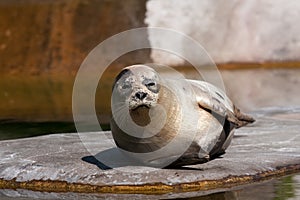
13,129
10,129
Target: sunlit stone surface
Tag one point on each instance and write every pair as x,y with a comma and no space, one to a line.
272,141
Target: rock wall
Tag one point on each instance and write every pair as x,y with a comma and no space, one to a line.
55,36
232,31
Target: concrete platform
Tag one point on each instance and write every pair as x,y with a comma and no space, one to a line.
60,163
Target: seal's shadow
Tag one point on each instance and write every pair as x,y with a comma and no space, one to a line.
94,161
109,159
114,158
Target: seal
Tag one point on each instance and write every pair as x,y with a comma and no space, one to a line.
176,121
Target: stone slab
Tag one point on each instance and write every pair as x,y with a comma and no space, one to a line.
61,163
267,190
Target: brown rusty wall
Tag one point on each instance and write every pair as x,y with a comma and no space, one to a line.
55,36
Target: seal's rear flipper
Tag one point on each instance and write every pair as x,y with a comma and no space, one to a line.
243,118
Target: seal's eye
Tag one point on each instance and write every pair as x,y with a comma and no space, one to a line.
152,86
124,88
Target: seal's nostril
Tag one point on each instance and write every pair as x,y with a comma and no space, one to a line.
141,95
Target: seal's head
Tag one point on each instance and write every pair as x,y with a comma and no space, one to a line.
137,86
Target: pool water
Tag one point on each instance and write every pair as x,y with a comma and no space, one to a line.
10,129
